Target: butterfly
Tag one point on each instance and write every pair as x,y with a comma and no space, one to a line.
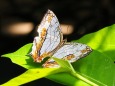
50,42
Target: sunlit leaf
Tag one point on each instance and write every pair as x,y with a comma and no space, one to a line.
30,75
22,57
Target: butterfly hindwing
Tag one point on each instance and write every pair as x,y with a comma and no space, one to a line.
71,52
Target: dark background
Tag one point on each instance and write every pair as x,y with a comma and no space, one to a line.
86,15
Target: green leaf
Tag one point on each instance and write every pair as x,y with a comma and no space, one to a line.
102,41
68,67
99,65
64,64
22,57
30,75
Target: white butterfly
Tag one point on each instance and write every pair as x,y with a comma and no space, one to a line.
50,42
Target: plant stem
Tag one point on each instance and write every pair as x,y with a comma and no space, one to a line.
76,75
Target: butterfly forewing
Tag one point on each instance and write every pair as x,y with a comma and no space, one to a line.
52,37
49,37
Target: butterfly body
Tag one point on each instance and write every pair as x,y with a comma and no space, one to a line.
49,42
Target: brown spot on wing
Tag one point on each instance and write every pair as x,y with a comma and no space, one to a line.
50,16
38,44
68,57
43,32
51,64
88,49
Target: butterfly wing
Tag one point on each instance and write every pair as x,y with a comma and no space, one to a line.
71,52
49,37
